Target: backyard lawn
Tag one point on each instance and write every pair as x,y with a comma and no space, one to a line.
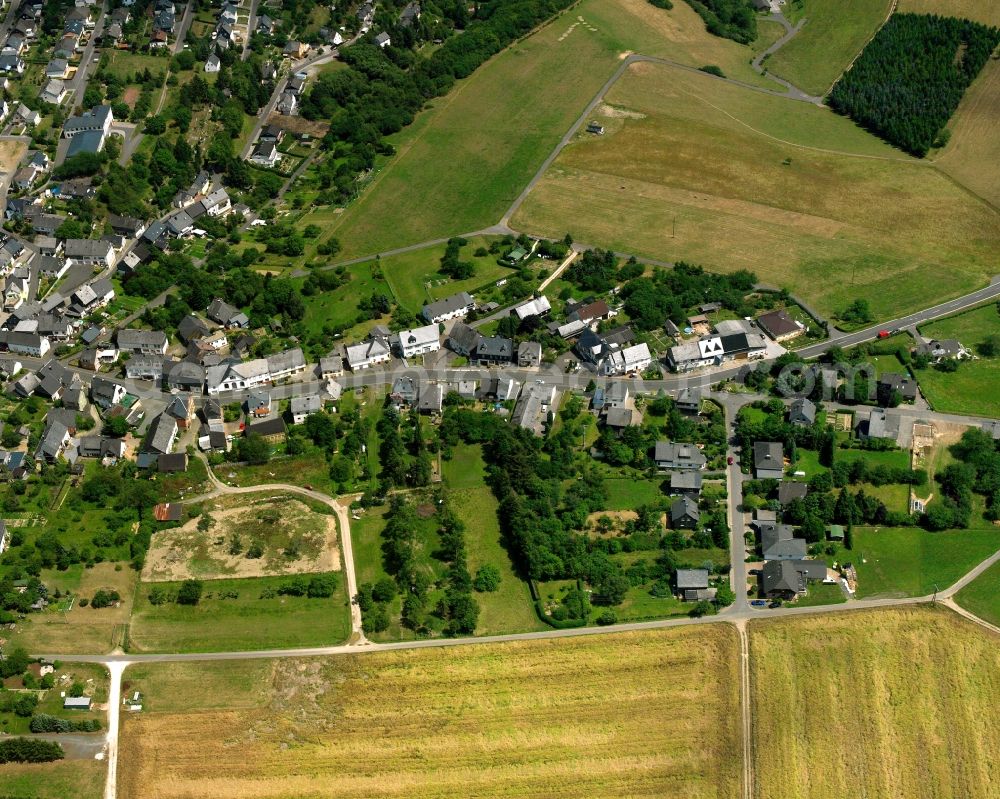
908,561
234,615
973,388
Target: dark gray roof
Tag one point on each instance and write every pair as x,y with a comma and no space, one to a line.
684,508
495,348
778,542
768,455
692,578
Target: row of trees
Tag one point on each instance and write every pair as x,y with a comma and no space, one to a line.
29,750
910,78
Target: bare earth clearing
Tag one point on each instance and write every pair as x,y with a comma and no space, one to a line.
273,521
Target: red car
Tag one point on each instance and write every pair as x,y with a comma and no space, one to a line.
884,334
729,460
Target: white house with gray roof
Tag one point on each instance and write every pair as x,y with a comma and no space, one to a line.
457,306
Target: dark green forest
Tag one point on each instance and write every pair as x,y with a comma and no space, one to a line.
730,19
910,78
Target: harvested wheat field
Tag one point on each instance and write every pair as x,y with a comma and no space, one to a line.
11,153
877,704
258,535
648,714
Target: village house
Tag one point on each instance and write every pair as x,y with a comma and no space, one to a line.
674,455
457,306
419,341
768,460
780,326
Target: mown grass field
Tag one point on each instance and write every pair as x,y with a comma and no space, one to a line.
972,389
790,191
972,156
64,779
880,704
122,63
415,280
465,159
833,35
510,608
72,629
908,561
982,595
251,620
640,715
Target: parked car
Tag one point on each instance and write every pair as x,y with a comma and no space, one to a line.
758,603
729,460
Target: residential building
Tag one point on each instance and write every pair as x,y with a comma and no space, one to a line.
404,392
105,393
419,341
534,407
181,410
684,513
790,490
802,412
213,64
768,460
285,364
144,367
431,399
93,252
227,315
97,119
492,350
715,350
780,326
689,400
272,430
778,542
27,344
186,376
368,354
685,483
538,306
162,433
692,584
229,376
192,327
457,306
529,354
892,386
463,339
787,579
331,366
302,407
675,455
144,342
266,154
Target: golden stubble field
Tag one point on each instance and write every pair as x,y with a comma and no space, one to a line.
649,714
694,169
880,704
972,156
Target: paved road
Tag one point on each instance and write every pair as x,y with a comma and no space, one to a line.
279,87
78,85
790,32
183,28
991,292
